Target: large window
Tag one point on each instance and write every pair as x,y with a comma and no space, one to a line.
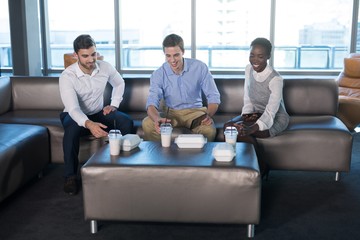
307,35
225,29
312,34
142,30
5,45
68,18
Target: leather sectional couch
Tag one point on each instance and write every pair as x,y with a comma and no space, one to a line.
316,140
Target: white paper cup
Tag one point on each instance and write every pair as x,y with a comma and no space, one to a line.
115,142
166,131
231,134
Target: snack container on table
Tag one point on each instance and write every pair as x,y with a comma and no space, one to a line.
130,141
223,152
190,141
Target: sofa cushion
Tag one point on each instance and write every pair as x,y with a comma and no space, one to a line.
24,152
135,95
41,93
311,96
352,67
51,120
348,82
313,143
231,94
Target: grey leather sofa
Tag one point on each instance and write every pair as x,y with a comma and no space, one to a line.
24,152
36,101
316,140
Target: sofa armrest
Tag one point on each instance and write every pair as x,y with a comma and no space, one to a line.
5,94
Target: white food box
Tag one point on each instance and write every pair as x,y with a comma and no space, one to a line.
130,141
190,140
223,152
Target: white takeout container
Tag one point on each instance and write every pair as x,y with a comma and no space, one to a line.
190,140
223,152
130,141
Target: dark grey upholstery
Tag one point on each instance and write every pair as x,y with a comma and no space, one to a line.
30,105
315,138
24,153
311,103
311,97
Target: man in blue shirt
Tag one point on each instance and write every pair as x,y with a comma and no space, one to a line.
180,82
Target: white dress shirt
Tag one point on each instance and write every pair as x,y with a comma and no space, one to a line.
82,94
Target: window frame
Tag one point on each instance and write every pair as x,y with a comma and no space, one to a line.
47,70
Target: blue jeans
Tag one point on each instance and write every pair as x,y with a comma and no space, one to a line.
73,132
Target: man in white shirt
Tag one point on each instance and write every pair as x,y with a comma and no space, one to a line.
82,86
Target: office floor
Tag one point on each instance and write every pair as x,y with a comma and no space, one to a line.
295,205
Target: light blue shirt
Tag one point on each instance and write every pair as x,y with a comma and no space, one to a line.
183,91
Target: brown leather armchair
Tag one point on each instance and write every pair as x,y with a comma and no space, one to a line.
70,58
349,91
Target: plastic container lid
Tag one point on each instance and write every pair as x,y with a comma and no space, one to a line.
231,131
223,152
190,141
130,141
114,133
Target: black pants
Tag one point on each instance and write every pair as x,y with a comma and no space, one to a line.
73,132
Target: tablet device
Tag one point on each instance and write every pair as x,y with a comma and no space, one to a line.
197,121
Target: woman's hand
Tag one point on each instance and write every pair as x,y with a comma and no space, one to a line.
231,122
252,117
245,130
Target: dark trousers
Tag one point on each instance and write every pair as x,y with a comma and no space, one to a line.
73,132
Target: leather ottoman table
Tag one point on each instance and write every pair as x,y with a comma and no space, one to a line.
152,183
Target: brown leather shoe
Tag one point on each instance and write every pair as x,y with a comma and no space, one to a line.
71,185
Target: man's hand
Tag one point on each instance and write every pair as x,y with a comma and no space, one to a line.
96,128
207,120
159,122
108,109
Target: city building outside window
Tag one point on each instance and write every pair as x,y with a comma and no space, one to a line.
142,30
308,36
5,45
312,34
225,29
68,18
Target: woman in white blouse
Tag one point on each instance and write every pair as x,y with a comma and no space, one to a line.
263,114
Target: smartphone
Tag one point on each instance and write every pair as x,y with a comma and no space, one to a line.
197,121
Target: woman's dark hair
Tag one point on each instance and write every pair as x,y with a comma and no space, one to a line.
173,40
83,41
263,42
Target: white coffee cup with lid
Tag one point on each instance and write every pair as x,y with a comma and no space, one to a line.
115,141
231,134
166,131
